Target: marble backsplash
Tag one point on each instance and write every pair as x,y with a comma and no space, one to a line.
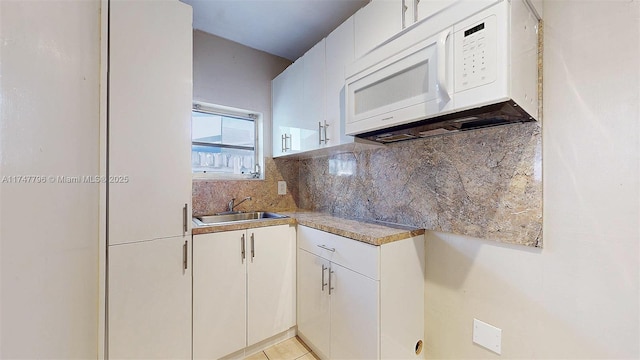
212,196
484,183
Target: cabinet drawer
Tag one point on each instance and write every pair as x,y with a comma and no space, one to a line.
352,254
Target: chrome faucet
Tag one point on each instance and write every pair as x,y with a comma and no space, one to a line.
256,174
232,203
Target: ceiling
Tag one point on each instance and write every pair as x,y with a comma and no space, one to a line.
286,28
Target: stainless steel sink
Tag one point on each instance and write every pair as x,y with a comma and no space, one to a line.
245,216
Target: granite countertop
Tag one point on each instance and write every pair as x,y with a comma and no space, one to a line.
370,232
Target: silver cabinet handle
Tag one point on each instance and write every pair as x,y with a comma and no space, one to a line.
416,3
253,248
324,268
326,139
326,248
284,146
330,286
404,14
184,220
185,250
242,252
322,130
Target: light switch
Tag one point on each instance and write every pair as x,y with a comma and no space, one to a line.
282,188
487,336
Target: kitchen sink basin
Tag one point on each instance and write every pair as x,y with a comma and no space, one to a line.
235,217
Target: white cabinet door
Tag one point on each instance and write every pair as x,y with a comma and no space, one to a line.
149,300
355,316
339,53
376,23
279,111
427,8
312,116
287,100
270,281
298,103
313,302
219,294
243,288
150,71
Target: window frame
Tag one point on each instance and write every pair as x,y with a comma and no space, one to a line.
256,117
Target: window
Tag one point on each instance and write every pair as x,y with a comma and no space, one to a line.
224,142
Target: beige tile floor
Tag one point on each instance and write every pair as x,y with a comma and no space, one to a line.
291,349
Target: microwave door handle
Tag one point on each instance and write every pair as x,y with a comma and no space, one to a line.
441,50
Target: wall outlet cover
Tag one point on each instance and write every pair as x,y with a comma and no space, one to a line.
282,188
487,336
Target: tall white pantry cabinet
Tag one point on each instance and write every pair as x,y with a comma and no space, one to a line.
149,142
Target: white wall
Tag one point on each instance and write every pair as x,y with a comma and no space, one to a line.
49,126
230,74
579,296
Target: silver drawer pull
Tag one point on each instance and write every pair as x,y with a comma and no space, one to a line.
325,132
242,251
330,286
253,247
326,248
185,227
323,270
185,255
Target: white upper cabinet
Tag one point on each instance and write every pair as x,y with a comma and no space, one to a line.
298,103
150,81
377,22
312,119
309,110
287,108
427,8
339,53
308,97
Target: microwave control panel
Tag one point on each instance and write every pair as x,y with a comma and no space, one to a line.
475,54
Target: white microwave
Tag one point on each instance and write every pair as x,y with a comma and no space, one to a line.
473,64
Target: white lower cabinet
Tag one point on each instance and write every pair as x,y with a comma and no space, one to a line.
355,320
219,294
150,300
243,288
270,282
314,315
359,301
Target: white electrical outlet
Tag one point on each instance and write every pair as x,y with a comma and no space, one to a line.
282,188
487,336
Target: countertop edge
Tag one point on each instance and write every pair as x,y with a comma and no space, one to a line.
327,226
241,225
372,240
